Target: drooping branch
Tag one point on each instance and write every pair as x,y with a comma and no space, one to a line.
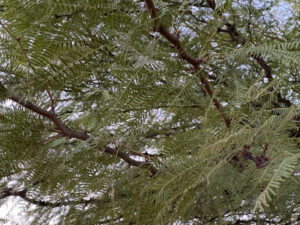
195,62
67,132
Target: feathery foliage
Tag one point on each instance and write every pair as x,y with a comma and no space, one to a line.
150,112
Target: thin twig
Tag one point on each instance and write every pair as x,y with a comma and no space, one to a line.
7,130
18,40
52,101
44,141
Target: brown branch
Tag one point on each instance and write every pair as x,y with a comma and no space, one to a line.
18,40
67,15
176,43
260,160
211,4
146,156
172,37
6,130
195,62
268,73
7,192
66,132
52,101
236,37
132,152
130,161
266,68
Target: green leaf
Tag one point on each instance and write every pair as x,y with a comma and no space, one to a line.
283,172
58,141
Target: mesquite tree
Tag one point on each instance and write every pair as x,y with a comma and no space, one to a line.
150,112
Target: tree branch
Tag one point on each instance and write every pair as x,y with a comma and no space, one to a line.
130,161
18,40
195,62
6,130
8,192
236,37
52,101
66,132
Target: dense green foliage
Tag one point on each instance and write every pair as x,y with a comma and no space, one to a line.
116,112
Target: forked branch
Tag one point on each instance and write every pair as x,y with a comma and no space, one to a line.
67,132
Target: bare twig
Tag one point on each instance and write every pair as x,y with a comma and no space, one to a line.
145,156
52,101
44,141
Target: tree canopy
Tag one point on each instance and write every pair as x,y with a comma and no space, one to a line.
151,112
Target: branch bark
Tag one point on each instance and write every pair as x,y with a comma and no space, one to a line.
8,192
194,62
67,132
236,37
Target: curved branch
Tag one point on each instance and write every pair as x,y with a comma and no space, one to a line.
236,37
172,37
67,132
195,62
